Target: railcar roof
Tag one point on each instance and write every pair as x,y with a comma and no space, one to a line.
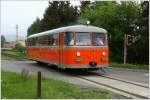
74,28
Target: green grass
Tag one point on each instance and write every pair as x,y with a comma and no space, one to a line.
7,49
4,57
20,54
15,87
130,66
15,52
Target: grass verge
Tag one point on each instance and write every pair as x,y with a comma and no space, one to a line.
129,66
15,87
4,57
20,54
14,52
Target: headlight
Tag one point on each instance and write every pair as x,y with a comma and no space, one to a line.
103,53
78,53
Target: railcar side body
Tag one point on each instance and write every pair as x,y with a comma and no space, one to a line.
78,46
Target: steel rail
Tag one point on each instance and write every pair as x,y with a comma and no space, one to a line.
120,90
118,79
133,94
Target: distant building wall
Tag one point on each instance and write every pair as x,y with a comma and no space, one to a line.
8,45
12,44
22,42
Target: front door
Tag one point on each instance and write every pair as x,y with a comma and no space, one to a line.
61,44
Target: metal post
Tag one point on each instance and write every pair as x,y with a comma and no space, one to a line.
125,48
39,84
16,33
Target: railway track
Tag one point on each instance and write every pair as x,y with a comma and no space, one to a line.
122,87
126,81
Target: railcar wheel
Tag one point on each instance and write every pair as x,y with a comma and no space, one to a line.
41,63
92,69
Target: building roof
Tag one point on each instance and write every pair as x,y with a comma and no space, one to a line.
74,28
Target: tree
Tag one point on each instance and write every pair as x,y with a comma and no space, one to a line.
118,19
19,47
140,49
84,5
34,27
2,40
58,13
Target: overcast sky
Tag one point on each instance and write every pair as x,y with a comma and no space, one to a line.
21,13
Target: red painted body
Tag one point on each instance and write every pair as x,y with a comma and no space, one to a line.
66,56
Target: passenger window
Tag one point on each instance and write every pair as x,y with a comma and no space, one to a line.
50,40
69,38
44,43
46,40
36,41
40,41
33,41
98,39
55,39
29,42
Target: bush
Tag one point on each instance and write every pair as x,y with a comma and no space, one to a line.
19,47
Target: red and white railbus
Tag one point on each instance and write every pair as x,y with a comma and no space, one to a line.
78,46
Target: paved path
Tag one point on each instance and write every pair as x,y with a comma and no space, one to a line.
69,76
131,75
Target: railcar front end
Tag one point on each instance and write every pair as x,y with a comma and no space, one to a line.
85,50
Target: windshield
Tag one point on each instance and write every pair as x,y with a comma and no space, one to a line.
83,39
98,39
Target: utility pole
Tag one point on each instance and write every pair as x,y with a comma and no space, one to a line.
125,48
16,33
128,40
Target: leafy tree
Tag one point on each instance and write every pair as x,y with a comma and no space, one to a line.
58,13
19,47
140,49
2,40
34,27
118,19
84,5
